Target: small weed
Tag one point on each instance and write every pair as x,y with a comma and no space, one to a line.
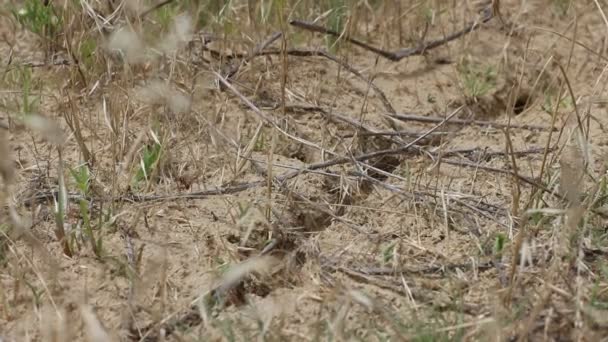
61,208
265,10
336,21
389,252
87,52
166,15
430,332
476,79
22,76
260,143
222,265
227,329
39,18
243,209
29,102
405,171
4,231
561,7
82,178
602,198
499,244
427,13
550,101
599,292
149,159
269,10
36,293
218,11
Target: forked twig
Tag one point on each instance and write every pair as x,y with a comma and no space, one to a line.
391,134
403,53
256,52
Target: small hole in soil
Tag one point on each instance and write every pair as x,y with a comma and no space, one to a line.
233,238
386,164
521,104
257,288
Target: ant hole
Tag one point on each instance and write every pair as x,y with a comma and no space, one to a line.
521,104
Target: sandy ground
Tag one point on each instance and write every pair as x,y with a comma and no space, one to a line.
408,255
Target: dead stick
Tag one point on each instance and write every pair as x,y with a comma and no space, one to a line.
464,122
403,53
424,270
256,52
221,190
391,134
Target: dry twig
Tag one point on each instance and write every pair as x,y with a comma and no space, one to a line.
403,53
466,122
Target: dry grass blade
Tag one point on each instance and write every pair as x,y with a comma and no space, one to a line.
94,329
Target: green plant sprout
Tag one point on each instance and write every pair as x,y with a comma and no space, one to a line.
149,159
38,18
477,81
81,176
336,21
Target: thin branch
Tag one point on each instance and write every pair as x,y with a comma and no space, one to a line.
386,271
486,155
403,53
256,52
466,122
392,134
221,190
